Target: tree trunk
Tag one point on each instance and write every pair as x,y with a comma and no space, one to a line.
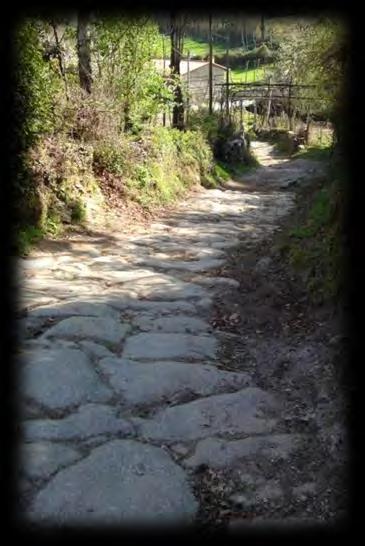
176,47
83,52
262,28
59,57
210,66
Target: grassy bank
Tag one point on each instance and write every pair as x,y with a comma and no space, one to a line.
250,75
313,244
71,181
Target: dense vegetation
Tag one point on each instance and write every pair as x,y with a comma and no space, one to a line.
72,143
90,109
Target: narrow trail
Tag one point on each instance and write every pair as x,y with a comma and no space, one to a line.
136,407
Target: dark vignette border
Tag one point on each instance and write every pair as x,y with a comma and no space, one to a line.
353,233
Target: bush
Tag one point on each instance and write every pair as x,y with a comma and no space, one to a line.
158,167
207,123
61,174
78,212
36,86
239,57
25,238
110,156
221,173
89,118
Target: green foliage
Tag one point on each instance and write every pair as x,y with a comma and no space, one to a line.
35,84
261,53
110,156
314,245
77,146
315,153
78,212
207,123
35,89
250,75
221,173
26,238
124,50
61,171
319,215
158,167
53,225
314,53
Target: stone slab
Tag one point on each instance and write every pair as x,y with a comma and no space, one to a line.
171,324
121,482
94,328
225,415
192,266
75,308
148,346
59,378
218,453
163,287
89,420
41,459
156,307
150,383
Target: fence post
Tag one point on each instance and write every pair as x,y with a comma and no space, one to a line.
289,108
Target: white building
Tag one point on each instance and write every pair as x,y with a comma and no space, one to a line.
195,76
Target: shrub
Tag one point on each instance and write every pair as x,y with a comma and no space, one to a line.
36,85
25,238
221,173
109,156
78,212
158,166
239,57
207,123
89,118
61,173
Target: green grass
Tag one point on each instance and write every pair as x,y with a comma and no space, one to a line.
242,168
315,153
225,171
250,75
318,217
221,172
196,48
313,245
